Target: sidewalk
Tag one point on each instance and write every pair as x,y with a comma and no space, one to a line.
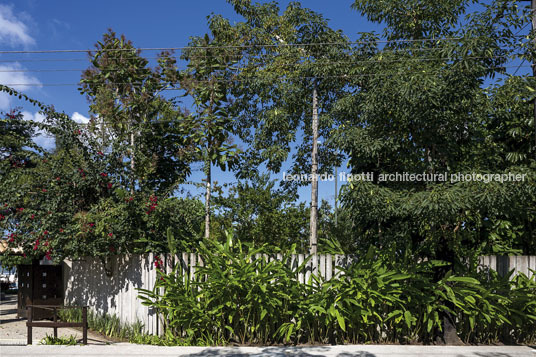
125,349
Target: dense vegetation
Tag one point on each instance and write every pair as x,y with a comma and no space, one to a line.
432,94
236,297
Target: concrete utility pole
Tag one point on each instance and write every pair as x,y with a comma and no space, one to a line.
336,197
208,170
314,183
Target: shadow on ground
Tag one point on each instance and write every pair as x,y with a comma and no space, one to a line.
277,352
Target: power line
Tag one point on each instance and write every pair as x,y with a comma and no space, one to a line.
238,56
229,56
257,64
518,67
242,79
270,45
54,60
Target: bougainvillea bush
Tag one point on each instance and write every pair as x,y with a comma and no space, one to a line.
82,198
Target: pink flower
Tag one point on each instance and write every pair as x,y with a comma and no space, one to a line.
110,185
103,174
110,234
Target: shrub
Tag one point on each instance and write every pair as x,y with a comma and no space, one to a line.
242,294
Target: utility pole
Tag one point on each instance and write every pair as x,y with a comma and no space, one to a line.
208,172
336,196
314,183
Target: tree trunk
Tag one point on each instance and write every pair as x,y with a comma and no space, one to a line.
132,163
448,336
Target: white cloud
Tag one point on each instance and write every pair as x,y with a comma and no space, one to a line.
10,75
13,31
79,118
41,138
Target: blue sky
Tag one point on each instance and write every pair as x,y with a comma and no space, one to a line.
64,25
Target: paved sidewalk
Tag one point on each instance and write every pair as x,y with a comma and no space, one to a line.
125,349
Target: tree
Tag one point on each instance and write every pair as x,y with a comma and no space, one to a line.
106,192
284,63
148,134
418,105
255,211
206,81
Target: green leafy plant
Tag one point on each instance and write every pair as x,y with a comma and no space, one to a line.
239,293
105,324
61,340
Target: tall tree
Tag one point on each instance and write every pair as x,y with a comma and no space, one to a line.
418,105
146,131
206,80
284,62
100,197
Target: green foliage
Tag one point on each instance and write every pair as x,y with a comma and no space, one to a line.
429,112
257,212
282,59
460,216
62,340
236,295
105,324
98,193
413,19
205,80
70,203
145,136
